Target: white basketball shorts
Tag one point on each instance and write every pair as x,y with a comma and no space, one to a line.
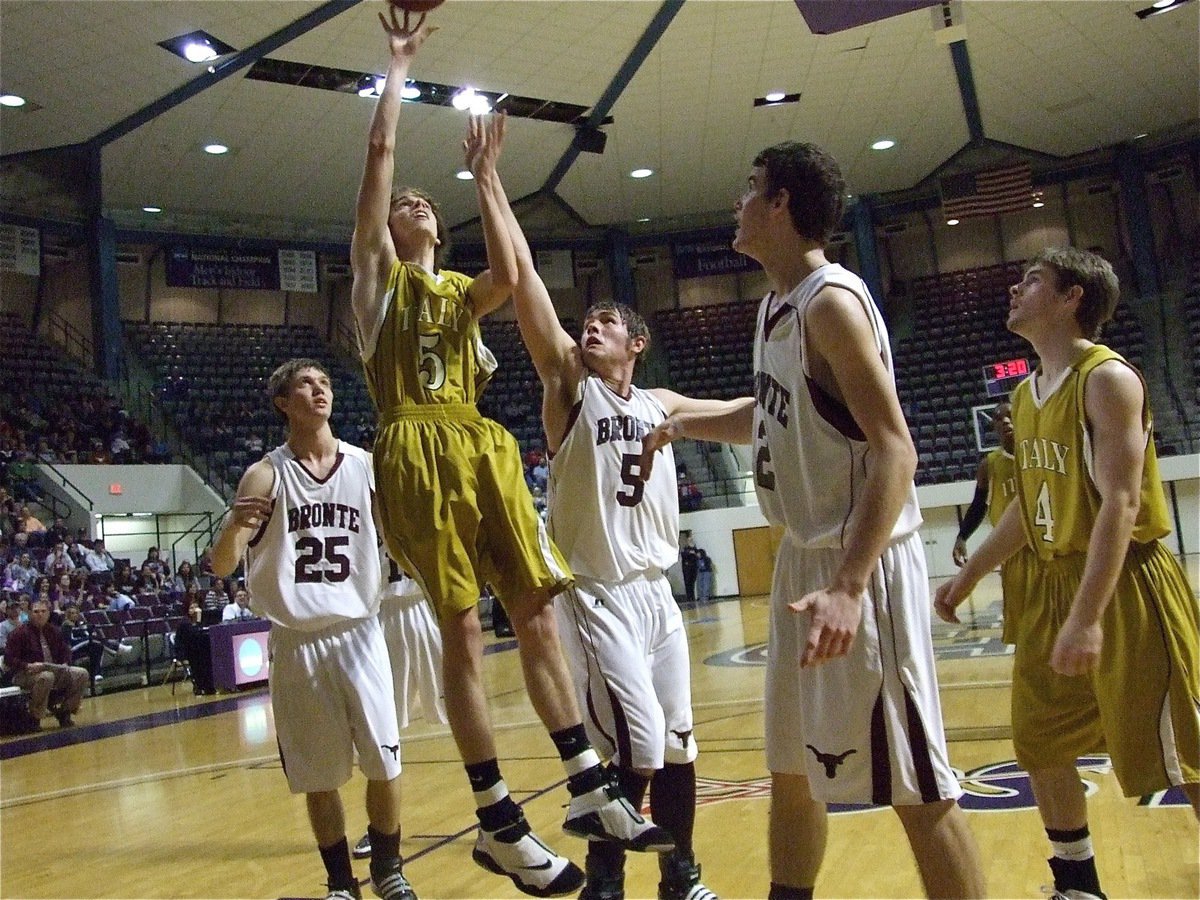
866,727
331,692
414,644
628,655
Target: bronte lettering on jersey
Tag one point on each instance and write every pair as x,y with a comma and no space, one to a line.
323,515
772,397
621,428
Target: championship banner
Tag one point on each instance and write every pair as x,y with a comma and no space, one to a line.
298,271
712,256
217,267
20,250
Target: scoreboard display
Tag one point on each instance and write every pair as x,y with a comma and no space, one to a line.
1002,377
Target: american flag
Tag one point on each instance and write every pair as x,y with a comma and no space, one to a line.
987,193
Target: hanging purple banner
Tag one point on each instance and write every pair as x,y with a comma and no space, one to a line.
222,267
708,256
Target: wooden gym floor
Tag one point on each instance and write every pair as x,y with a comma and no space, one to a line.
161,796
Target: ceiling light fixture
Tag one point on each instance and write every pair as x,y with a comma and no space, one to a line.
641,173
410,91
777,98
216,149
952,221
464,175
644,219
11,100
152,209
197,47
774,96
463,99
883,144
480,105
1038,204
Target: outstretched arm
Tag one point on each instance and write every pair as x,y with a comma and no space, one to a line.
485,138
372,252
723,421
555,353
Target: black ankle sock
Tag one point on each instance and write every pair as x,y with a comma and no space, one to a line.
1078,875
572,742
605,858
785,892
673,801
336,858
384,847
483,775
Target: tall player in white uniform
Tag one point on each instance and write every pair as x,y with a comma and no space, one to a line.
304,523
414,645
852,710
622,632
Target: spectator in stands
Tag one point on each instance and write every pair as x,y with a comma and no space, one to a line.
99,562
239,608
99,454
31,525
704,576
66,592
84,644
687,562
12,621
40,661
157,564
20,574
191,643
119,447
43,590
184,581
114,599
217,598
124,579
58,561
58,533
22,475
147,586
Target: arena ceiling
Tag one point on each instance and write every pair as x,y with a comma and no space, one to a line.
1033,79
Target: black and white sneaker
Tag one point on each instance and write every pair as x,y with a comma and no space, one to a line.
534,868
363,848
388,882
344,893
604,814
681,878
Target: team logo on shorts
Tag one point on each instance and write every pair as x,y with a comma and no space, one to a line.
830,761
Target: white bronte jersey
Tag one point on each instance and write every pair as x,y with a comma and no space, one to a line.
810,457
315,561
607,522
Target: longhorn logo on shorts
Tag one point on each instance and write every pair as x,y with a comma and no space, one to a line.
830,761
394,749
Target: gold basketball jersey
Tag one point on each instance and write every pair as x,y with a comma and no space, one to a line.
1053,457
429,349
1002,483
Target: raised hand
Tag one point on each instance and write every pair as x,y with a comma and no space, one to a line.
404,39
484,140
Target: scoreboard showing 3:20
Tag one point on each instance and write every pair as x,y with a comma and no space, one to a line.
1002,377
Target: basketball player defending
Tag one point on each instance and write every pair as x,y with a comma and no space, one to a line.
1107,642
995,489
852,712
622,631
455,509
303,522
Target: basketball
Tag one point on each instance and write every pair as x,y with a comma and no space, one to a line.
416,6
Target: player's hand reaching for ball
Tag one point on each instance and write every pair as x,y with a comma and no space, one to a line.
250,512
404,37
485,139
